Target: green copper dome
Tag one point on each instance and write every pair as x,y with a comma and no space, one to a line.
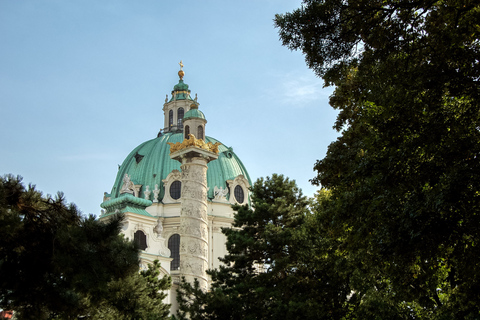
180,91
150,163
194,113
180,86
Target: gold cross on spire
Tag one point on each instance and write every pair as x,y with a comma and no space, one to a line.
181,73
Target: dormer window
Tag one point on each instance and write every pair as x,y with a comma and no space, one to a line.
238,190
175,190
239,194
173,187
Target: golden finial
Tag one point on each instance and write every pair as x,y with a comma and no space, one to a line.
181,73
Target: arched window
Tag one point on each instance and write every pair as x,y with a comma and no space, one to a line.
170,118
175,190
200,132
174,246
187,132
141,239
180,117
239,195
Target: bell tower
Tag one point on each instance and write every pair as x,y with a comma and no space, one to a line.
175,108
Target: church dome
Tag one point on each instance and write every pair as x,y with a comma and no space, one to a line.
180,86
194,113
171,205
150,163
180,91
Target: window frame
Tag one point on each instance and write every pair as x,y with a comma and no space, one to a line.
170,118
180,116
236,193
141,239
174,246
173,188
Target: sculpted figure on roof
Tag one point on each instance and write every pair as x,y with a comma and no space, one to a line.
193,142
128,186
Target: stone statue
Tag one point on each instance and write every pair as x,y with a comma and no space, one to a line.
158,229
128,186
156,191
220,193
147,193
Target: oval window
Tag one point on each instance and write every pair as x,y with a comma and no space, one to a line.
239,195
175,190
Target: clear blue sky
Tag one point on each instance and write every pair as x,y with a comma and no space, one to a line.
83,82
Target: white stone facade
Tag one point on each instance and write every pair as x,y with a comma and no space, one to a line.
219,215
168,211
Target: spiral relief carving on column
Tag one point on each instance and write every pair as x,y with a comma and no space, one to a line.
191,210
193,215
193,192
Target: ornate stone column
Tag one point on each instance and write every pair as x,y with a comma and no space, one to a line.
194,154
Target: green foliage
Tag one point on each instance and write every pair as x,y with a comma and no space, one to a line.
194,303
276,267
259,260
57,264
138,296
404,175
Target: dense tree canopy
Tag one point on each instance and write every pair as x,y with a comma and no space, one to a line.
404,174
57,263
138,296
276,267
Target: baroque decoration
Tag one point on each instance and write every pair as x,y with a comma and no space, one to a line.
176,191
194,142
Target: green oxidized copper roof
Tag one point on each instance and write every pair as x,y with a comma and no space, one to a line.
155,165
193,113
126,203
180,86
180,91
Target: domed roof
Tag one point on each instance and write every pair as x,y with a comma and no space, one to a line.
180,86
150,163
180,91
193,113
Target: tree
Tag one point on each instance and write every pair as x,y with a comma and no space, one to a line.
276,267
404,175
56,263
138,296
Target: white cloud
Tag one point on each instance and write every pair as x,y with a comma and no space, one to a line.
298,90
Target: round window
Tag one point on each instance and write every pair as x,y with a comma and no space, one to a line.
239,195
175,190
